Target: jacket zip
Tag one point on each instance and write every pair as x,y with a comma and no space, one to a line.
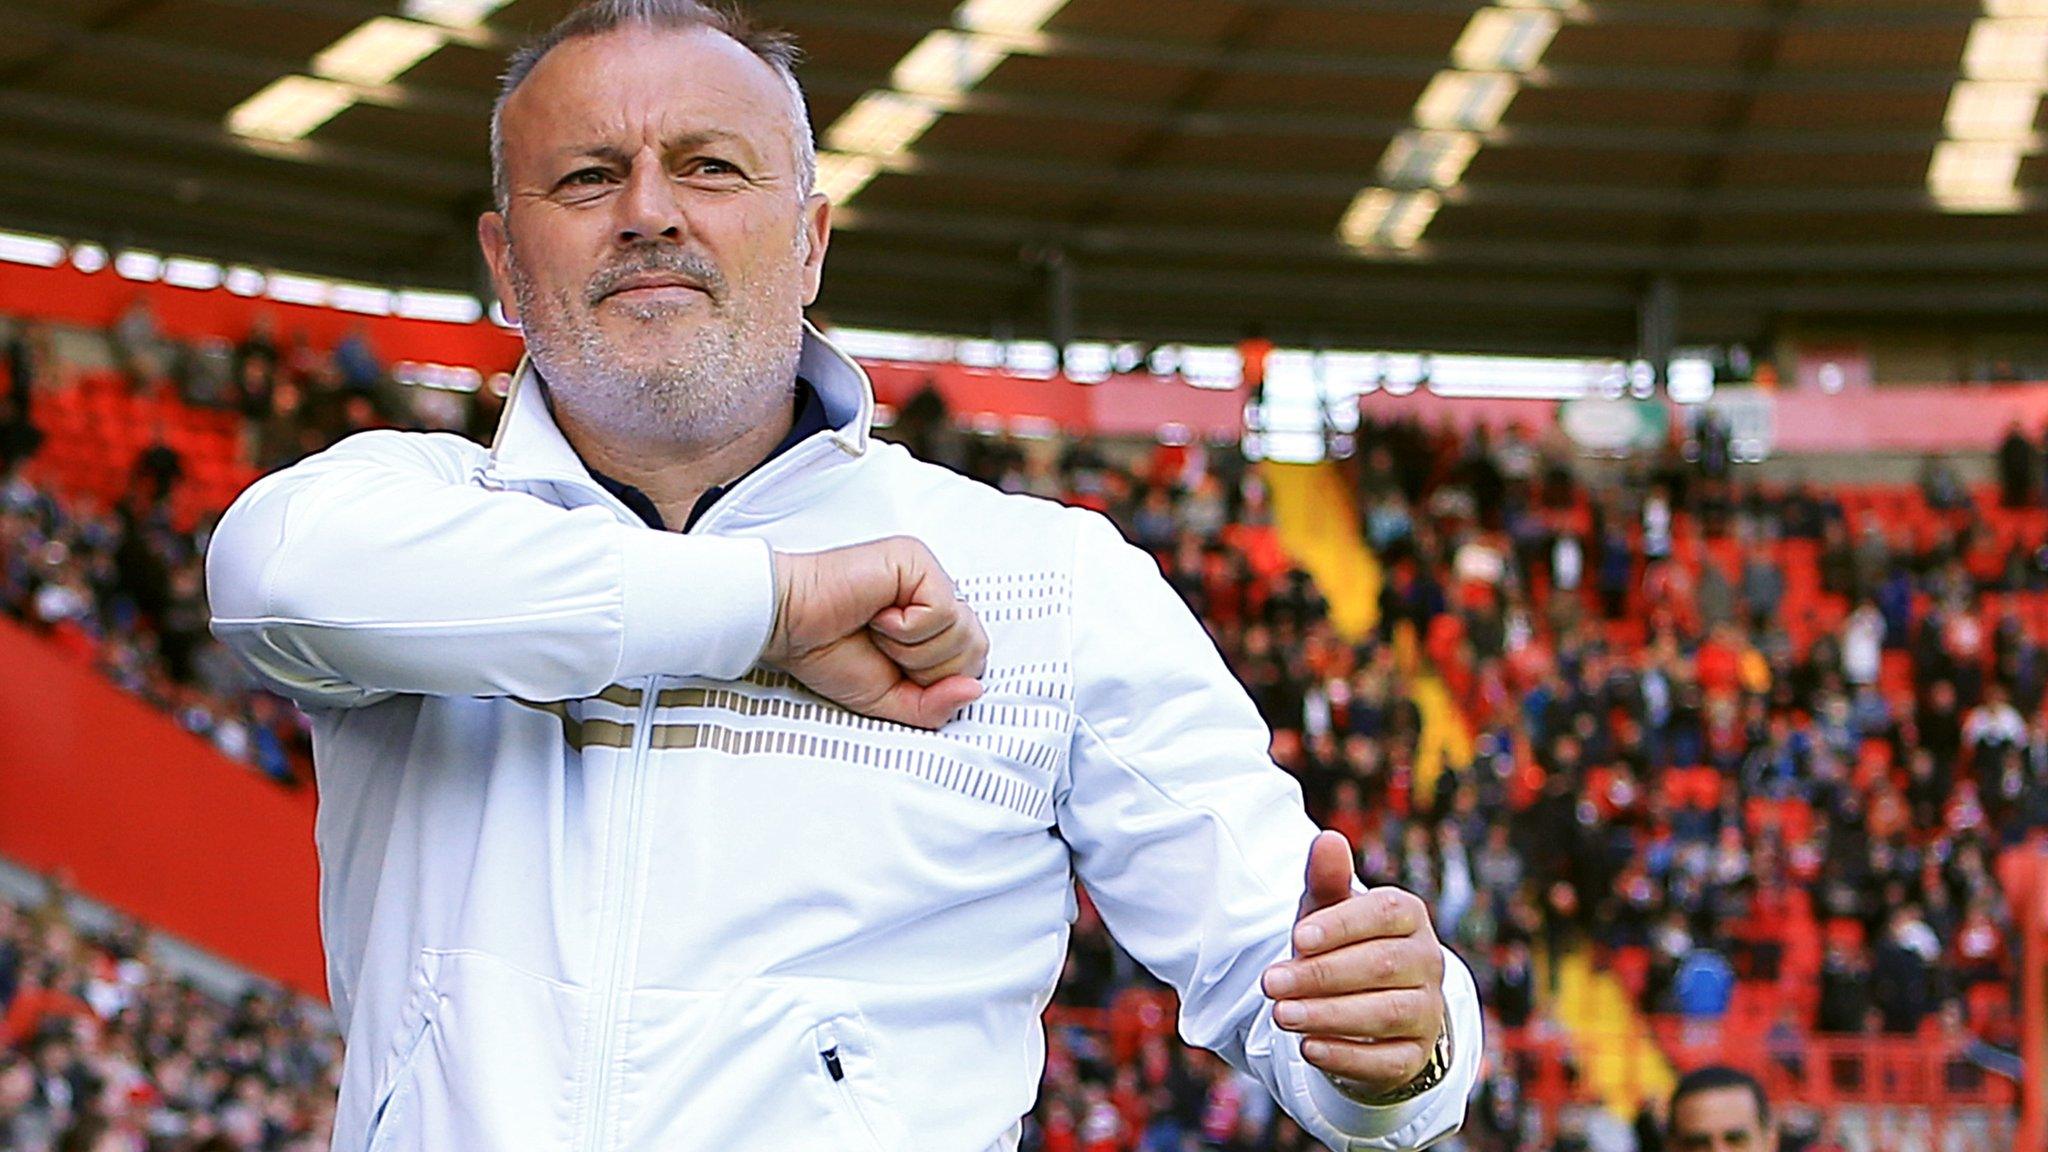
619,909
613,946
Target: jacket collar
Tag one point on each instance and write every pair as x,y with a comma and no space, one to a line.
528,445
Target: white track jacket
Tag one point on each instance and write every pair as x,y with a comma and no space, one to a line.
592,880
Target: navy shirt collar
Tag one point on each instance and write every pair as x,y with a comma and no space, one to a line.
809,419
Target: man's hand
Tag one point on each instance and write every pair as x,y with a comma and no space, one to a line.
1366,986
877,628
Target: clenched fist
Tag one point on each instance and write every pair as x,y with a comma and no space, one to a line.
876,628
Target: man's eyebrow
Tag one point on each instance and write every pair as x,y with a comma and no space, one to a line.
612,153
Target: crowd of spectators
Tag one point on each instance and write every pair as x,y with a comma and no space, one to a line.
1701,771
102,1050
1706,773
121,586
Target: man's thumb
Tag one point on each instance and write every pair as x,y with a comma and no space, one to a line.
1329,872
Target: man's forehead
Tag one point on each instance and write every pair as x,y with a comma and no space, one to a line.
1717,1109
591,89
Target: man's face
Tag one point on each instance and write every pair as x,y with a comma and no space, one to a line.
1720,1120
656,245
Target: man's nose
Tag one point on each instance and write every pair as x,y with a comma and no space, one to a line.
649,209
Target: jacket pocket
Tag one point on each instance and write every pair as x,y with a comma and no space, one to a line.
846,1059
492,1063
387,1118
750,1068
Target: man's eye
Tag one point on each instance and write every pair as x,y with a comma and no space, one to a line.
586,176
711,166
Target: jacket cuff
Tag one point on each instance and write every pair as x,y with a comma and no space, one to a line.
694,605
1429,1117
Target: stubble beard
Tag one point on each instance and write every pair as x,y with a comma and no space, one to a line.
732,372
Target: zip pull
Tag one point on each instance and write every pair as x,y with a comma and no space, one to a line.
832,1065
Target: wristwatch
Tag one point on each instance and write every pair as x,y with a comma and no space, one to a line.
1432,1074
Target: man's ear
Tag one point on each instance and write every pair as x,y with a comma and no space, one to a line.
815,237
494,236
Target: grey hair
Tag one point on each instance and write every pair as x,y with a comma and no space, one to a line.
775,48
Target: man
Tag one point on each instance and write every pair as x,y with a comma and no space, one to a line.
673,797
1718,1109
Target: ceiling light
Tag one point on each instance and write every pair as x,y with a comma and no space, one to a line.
1016,17
243,280
1474,101
378,51
1691,380
184,272
453,13
881,123
1427,159
1975,175
946,63
21,248
135,264
2007,50
1505,39
1991,110
361,298
298,289
449,307
88,258
1384,218
289,108
841,176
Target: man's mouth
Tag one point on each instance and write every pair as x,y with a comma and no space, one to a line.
655,286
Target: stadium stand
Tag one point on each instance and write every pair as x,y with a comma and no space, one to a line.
1689,767
103,1049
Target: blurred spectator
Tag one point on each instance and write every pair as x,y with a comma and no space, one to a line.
139,345
2019,467
1942,486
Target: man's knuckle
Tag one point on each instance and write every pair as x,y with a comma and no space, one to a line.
1316,972
1414,1010
1389,966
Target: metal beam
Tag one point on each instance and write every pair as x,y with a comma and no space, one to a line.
474,105
1291,62
255,70
1337,189
353,12
1381,285
1929,16
228,237
124,122
1190,240
1758,61
150,181
2025,297
95,118
1316,125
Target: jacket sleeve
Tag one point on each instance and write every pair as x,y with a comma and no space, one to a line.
379,567
1193,844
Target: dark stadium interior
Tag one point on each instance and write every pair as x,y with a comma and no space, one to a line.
1724,744
1186,159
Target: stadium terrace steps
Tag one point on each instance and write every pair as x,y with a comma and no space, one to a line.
1620,1062
1317,525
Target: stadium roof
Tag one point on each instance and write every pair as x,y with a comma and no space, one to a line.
1517,177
